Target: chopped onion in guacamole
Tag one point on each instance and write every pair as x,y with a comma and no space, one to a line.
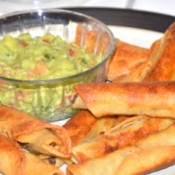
41,58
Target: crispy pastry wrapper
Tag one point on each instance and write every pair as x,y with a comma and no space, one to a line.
11,157
85,127
131,63
147,155
16,161
79,126
122,134
126,59
160,65
156,99
38,135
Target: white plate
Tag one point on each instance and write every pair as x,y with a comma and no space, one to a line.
140,37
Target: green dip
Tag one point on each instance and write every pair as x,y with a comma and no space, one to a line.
42,58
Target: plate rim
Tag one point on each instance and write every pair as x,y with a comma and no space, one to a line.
128,17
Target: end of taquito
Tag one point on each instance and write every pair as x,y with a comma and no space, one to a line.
150,154
155,99
38,135
12,159
125,60
162,58
15,160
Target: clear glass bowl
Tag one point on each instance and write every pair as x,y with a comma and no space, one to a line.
49,100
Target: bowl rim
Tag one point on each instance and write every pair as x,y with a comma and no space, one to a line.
67,78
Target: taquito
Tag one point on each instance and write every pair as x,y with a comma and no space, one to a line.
79,126
140,70
14,160
37,135
156,99
84,127
154,64
122,134
150,154
161,61
11,157
126,59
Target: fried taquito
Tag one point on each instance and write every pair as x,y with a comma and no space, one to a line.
134,63
79,126
37,135
11,157
152,153
14,160
84,126
126,59
156,99
122,134
161,61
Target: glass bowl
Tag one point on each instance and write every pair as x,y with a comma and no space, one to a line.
49,99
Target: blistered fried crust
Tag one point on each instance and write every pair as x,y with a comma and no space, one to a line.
142,69
162,58
40,136
15,160
11,156
150,154
85,127
155,99
134,63
79,126
122,134
126,59
127,161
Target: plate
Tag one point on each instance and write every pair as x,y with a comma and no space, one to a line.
129,18
135,27
132,35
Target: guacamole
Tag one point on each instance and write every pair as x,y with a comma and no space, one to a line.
41,58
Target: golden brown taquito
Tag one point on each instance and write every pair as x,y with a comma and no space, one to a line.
84,127
158,65
161,62
11,157
79,126
125,60
38,135
149,154
156,99
140,70
14,160
122,134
